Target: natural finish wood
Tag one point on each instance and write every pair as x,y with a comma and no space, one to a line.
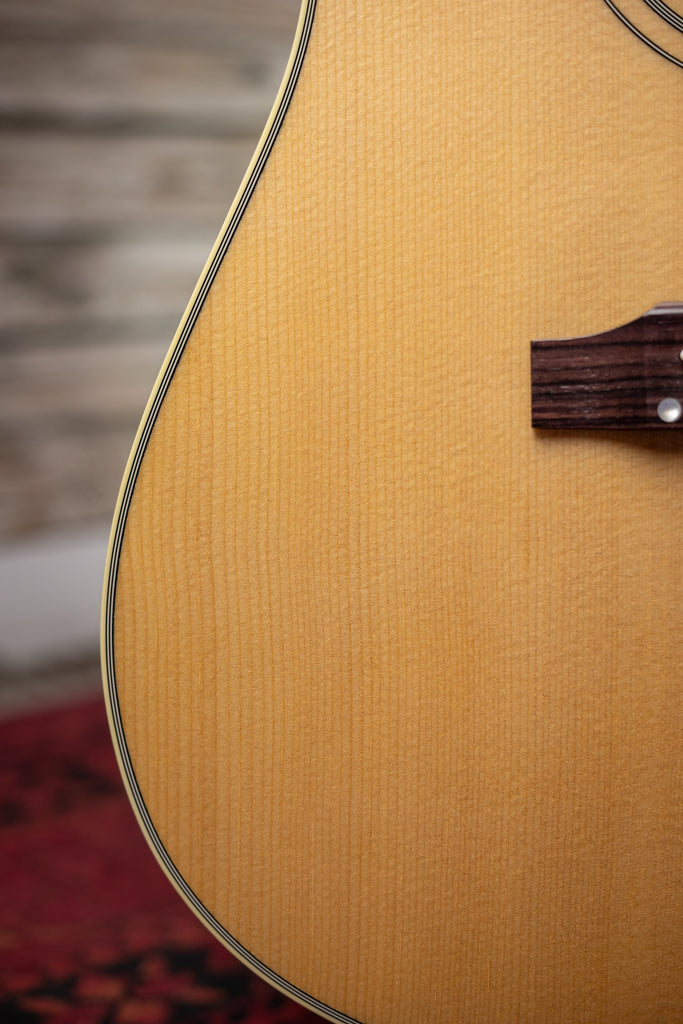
395,677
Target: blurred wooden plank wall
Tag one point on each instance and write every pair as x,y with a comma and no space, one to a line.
125,131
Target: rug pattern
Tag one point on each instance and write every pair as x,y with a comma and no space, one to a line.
90,928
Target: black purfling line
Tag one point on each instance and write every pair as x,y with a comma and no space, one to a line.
117,541
641,35
665,12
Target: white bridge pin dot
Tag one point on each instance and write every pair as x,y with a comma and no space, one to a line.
670,410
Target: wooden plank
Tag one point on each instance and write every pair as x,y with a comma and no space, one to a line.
59,474
125,130
92,331
112,85
143,272
53,182
66,418
203,20
104,384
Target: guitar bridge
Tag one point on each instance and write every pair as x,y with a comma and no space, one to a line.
627,378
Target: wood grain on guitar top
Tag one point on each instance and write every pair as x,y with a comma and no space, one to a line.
399,679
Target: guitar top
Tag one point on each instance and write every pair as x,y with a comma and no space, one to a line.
394,677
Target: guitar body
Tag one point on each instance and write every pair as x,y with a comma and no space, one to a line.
394,678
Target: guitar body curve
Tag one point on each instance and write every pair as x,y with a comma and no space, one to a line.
394,679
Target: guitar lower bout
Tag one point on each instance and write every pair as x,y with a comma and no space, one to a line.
393,677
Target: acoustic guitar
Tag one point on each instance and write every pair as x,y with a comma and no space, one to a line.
392,617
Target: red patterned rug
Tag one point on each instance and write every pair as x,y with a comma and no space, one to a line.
90,928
